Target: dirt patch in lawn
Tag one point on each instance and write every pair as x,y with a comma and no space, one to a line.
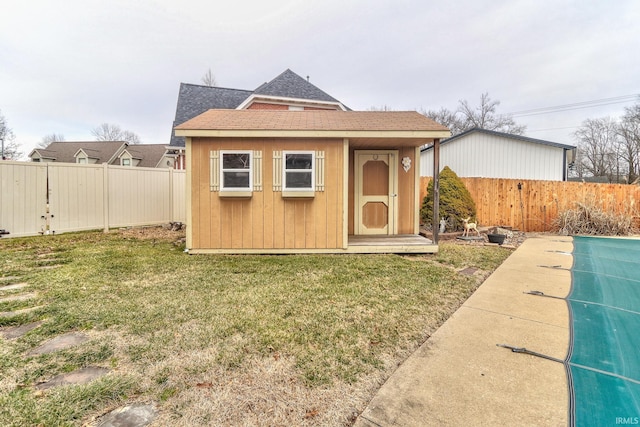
172,232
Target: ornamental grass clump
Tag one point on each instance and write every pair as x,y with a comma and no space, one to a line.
456,202
591,219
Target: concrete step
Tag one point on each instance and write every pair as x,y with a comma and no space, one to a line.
19,312
19,297
79,376
13,286
60,342
14,332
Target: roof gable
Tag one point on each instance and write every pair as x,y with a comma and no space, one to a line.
149,155
80,150
290,85
43,153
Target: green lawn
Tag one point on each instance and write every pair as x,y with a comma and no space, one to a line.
240,340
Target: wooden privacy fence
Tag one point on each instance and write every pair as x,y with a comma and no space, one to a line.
61,197
533,205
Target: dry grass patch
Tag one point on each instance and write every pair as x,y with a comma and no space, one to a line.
223,340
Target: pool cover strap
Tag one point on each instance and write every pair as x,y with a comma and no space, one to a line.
542,294
529,352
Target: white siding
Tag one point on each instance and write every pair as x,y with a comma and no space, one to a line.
488,156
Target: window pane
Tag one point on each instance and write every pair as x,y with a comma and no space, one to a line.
298,180
299,161
235,161
235,179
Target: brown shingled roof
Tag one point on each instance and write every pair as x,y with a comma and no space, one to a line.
149,154
64,151
325,120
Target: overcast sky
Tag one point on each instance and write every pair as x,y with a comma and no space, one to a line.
66,66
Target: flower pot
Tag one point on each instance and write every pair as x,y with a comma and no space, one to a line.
496,238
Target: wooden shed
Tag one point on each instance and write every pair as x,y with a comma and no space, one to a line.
261,181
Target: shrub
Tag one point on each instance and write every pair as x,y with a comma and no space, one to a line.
455,200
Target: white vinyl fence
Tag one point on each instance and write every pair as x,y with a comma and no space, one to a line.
44,198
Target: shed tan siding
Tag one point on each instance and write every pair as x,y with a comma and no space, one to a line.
406,192
266,220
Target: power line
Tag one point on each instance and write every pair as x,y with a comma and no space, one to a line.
615,98
541,130
577,105
560,110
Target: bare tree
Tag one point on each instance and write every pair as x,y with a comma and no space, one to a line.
447,118
130,137
111,132
610,148
629,141
48,139
598,144
209,79
107,132
9,148
484,116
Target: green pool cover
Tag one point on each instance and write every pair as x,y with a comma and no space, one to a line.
604,356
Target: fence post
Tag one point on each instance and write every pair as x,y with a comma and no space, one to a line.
105,195
171,203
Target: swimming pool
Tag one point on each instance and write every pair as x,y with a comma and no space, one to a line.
603,363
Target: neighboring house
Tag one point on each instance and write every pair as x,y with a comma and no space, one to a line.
490,154
265,181
146,156
288,91
109,152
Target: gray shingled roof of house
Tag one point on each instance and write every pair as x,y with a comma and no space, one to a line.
194,100
290,85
